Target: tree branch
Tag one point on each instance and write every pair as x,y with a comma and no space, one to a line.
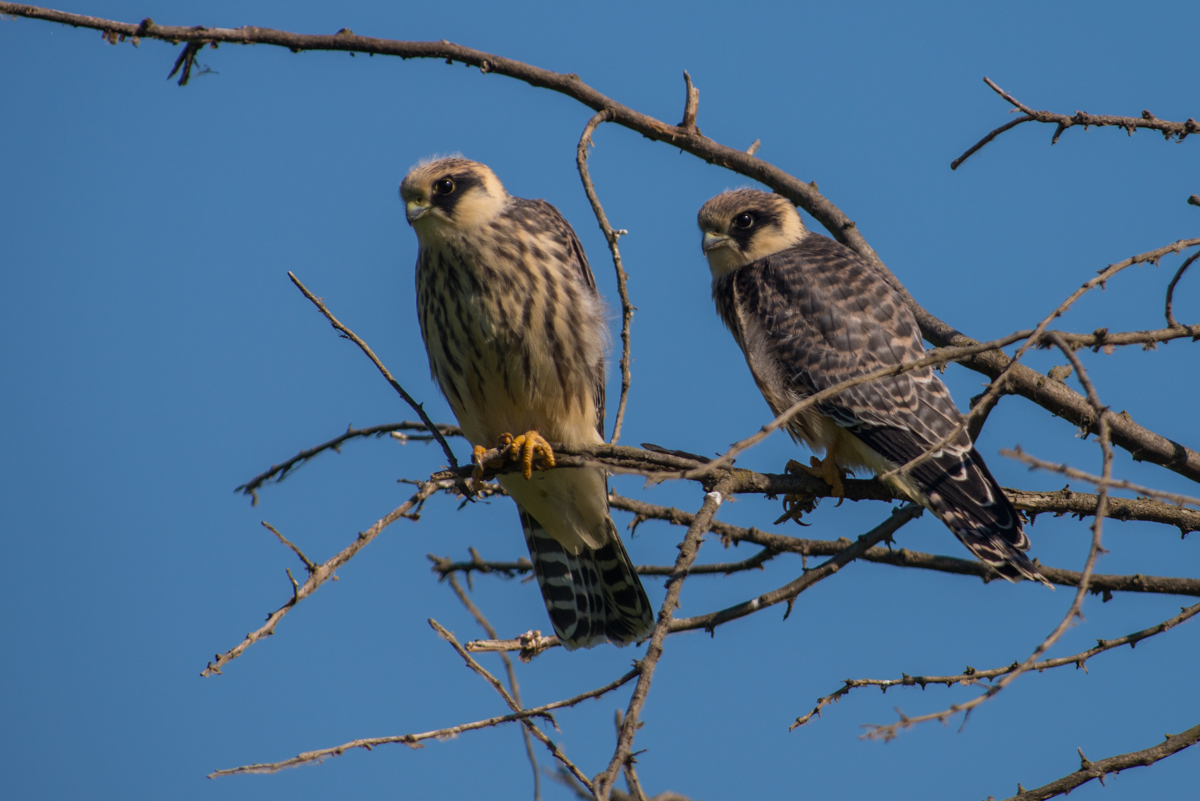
1144,444
515,689
972,676
419,408
688,550
414,740
278,472
319,575
611,236
512,703
1173,744
1065,121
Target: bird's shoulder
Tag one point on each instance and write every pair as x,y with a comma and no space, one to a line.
542,222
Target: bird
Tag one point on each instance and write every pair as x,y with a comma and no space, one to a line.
809,313
516,335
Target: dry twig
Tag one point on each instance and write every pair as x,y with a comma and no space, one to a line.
972,676
1052,396
278,472
1180,130
1171,744
414,740
319,575
419,408
510,671
612,237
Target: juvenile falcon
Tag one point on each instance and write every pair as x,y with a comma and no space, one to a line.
515,332
810,313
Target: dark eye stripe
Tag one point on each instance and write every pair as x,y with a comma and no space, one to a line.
463,182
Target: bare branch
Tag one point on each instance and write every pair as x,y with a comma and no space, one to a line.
417,407
510,671
319,575
975,148
972,676
688,550
612,237
789,591
1171,321
1065,121
308,563
1084,504
1099,481
1172,744
528,645
1056,398
414,740
278,472
512,704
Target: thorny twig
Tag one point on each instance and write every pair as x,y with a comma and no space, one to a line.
972,676
318,576
1055,398
1099,481
512,703
278,472
1171,744
414,740
612,237
1065,121
688,550
509,670
889,731
353,337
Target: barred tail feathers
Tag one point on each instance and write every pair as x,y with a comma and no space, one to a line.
592,596
966,497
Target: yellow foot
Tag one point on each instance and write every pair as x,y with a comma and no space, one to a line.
526,448
480,466
825,469
796,506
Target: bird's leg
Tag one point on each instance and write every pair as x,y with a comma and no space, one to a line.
480,466
797,505
827,470
526,447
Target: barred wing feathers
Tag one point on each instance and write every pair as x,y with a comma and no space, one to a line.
821,315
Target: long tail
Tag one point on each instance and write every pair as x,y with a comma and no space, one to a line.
592,596
966,497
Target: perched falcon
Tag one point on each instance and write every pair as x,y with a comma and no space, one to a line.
516,334
809,313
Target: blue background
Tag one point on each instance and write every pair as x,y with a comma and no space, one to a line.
155,356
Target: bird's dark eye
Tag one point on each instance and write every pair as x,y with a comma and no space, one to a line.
443,187
744,220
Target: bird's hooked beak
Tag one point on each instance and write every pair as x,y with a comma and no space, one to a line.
712,241
415,210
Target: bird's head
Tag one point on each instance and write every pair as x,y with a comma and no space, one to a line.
448,197
745,225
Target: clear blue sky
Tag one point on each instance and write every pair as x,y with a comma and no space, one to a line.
154,356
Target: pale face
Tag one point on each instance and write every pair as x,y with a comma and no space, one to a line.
745,225
448,197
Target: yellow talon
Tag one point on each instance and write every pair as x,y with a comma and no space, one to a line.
526,447
795,506
827,470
